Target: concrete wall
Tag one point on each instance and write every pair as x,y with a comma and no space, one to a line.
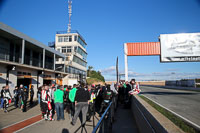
13,81
150,120
3,71
160,83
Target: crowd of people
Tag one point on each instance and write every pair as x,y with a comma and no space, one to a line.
60,100
20,98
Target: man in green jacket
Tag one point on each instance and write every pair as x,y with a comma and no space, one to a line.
72,95
58,100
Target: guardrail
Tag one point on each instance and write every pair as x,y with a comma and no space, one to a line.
105,123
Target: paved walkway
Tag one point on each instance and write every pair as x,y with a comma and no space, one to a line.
124,121
31,122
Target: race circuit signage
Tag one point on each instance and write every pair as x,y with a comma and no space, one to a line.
183,47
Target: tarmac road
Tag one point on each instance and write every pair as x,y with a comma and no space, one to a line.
184,103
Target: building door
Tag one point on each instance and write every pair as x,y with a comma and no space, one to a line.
47,82
24,81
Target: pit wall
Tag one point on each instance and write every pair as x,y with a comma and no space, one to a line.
150,120
194,83
157,83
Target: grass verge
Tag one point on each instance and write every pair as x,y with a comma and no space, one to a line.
176,120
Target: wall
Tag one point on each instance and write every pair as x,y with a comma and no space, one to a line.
3,71
149,120
159,83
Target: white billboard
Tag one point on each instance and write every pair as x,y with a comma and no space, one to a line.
183,47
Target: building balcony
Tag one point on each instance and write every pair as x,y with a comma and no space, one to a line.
5,55
49,65
51,44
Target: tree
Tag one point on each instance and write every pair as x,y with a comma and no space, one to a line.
89,70
94,74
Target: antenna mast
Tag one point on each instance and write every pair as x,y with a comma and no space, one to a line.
70,14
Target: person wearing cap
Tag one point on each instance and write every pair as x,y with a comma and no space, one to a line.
24,97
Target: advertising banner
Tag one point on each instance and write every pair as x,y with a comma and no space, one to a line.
183,47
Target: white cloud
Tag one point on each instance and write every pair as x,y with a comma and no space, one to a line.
169,74
108,70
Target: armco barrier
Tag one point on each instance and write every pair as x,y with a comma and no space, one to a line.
150,120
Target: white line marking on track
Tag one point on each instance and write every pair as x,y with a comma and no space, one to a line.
28,126
18,122
185,119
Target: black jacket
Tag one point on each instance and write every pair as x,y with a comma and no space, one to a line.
82,95
2,93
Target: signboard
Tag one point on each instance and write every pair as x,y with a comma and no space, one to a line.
184,47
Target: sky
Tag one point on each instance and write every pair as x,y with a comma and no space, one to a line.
106,25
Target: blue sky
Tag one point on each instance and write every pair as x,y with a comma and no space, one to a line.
106,25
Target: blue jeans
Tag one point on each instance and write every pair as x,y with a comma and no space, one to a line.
38,98
59,111
2,100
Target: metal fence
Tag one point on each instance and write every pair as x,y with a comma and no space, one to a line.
105,123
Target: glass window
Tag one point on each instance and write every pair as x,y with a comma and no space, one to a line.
60,39
63,49
70,38
75,38
58,50
81,42
67,38
75,49
79,61
67,58
69,49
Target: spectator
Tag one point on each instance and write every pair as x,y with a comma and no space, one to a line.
39,94
16,96
24,97
72,95
46,104
52,90
2,100
58,97
81,104
7,98
67,102
107,98
31,95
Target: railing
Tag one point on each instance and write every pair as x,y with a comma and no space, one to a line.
51,44
36,62
72,31
105,123
49,65
5,55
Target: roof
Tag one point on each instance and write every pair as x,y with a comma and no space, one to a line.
18,34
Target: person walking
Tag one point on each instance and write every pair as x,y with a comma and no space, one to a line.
58,100
82,100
